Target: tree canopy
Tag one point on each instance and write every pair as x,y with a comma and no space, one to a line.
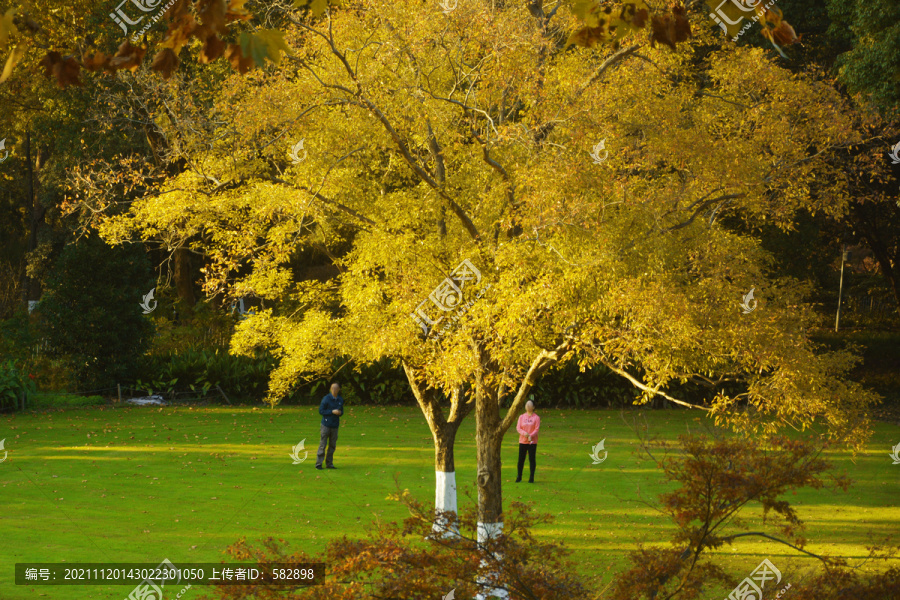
476,143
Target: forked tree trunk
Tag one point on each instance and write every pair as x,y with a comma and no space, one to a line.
489,431
443,430
184,283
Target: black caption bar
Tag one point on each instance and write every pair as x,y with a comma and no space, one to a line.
168,574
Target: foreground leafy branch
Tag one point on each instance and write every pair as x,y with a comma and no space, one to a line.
717,479
393,562
209,23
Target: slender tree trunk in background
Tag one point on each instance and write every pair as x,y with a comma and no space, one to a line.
879,226
31,288
184,282
29,201
889,268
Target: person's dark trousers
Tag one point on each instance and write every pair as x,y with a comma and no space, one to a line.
531,451
328,435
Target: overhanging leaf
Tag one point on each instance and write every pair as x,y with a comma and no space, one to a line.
317,7
14,57
253,48
274,42
7,27
239,62
262,44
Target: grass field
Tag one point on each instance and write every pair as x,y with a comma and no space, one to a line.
139,484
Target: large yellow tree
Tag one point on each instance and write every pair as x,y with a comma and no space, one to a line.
549,203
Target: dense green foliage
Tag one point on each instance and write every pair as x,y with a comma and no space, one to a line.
50,401
14,384
871,66
199,370
91,311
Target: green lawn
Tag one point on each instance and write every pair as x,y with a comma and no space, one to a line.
139,484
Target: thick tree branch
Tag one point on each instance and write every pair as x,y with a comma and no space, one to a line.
609,62
645,388
327,201
774,539
459,410
700,209
540,364
437,153
427,401
544,130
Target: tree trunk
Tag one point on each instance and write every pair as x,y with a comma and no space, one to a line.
184,283
443,430
490,388
490,428
31,290
879,230
489,441
445,481
490,498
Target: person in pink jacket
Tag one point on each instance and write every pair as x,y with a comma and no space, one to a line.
528,427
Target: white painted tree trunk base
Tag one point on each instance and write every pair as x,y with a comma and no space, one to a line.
445,500
485,532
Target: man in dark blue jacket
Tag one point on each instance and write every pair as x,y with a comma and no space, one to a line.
331,409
